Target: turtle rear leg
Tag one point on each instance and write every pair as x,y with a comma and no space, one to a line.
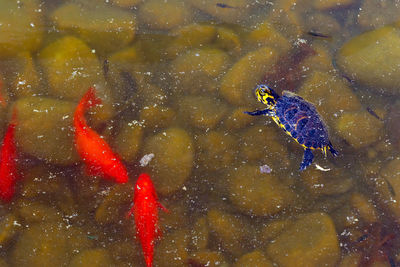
266,112
332,150
307,160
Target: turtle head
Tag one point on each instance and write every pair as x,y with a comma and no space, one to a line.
266,95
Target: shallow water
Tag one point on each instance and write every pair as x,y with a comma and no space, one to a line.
174,78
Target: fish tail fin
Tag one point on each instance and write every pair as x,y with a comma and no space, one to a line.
332,150
90,98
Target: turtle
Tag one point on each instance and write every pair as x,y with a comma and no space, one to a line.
298,118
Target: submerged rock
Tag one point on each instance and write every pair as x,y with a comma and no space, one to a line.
372,58
237,84
253,259
388,187
70,67
197,69
45,129
98,257
310,241
259,194
129,140
21,27
378,13
173,159
42,245
164,15
172,250
202,112
104,28
359,129
231,231
207,258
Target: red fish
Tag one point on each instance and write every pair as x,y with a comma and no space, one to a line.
94,150
145,211
8,165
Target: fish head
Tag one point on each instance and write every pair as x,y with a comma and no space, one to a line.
144,186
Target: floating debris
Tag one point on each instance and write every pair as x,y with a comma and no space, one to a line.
265,169
321,169
145,160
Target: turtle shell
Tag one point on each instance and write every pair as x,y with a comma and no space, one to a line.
301,120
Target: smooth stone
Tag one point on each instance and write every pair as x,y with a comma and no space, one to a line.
44,244
359,129
378,13
259,194
310,241
253,259
98,257
196,69
128,140
203,112
103,27
231,231
172,250
372,59
70,67
238,83
44,129
21,28
388,187
235,12
173,159
164,15
332,4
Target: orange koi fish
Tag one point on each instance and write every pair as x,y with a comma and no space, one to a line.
8,166
145,211
94,150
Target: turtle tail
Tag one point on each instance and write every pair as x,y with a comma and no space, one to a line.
332,150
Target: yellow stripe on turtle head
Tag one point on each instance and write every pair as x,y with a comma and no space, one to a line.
266,95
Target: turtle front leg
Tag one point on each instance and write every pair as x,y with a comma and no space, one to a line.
307,160
266,112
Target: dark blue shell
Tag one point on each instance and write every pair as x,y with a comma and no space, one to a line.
301,119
